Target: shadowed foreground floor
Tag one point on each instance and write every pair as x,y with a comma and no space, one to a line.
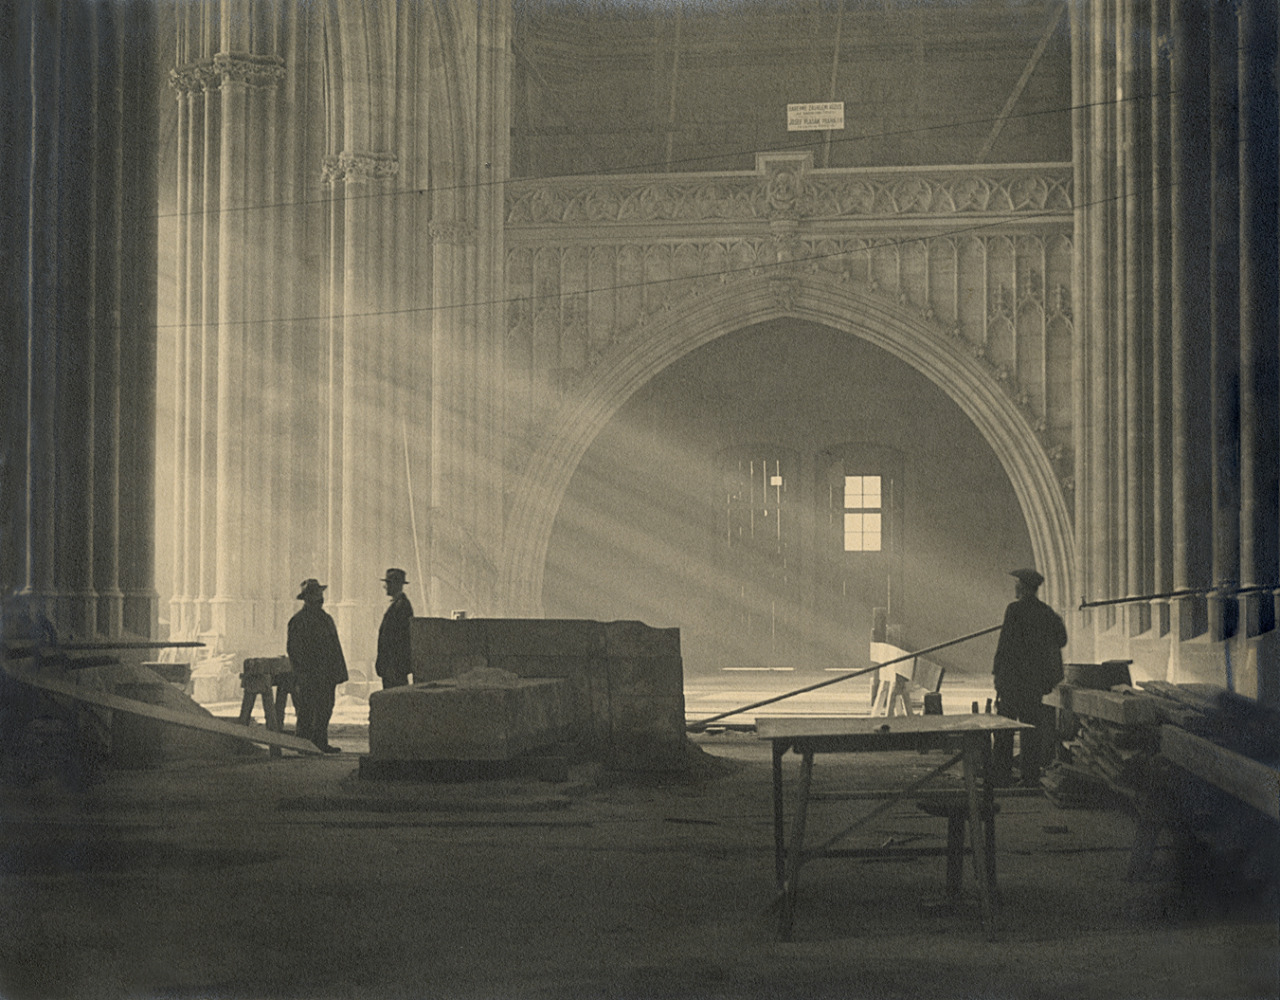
295,878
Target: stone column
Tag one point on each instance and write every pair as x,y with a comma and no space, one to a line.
361,419
494,168
1134,128
1224,318
452,254
1160,319
86,119
207,392
78,188
1192,525
1105,528
242,267
41,32
180,602
1259,312
137,399
1087,552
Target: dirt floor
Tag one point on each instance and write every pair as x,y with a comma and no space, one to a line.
295,878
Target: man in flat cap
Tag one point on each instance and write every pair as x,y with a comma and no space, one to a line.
318,665
393,664
1028,664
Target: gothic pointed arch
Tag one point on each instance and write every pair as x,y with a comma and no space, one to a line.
838,305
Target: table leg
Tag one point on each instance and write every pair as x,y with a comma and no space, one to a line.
973,753
795,853
269,710
246,705
779,833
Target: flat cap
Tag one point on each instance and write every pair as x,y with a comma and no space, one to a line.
1028,576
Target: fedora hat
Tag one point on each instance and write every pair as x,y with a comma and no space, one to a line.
394,575
311,588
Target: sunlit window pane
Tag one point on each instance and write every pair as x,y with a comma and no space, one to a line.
862,516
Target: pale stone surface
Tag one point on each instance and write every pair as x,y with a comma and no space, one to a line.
441,721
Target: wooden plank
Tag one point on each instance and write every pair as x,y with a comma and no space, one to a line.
802,726
188,720
1248,780
1111,706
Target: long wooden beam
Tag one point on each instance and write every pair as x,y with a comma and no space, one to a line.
1021,85
1247,779
188,720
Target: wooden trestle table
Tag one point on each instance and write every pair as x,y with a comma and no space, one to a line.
969,736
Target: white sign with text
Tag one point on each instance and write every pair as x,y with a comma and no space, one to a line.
815,117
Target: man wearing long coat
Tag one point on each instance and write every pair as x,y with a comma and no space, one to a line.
393,664
315,653
1028,665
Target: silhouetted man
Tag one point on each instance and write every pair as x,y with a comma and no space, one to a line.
393,664
1028,664
318,665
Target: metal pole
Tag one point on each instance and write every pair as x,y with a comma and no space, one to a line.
703,723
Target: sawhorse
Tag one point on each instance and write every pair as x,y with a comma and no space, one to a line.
259,676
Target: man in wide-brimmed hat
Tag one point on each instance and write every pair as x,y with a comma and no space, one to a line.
1028,664
393,664
318,665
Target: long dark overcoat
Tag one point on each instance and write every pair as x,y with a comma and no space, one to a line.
1028,661
393,640
314,649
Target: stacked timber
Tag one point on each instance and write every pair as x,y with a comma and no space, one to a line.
1118,740
1103,763
1110,738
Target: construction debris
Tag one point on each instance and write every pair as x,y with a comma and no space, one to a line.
1194,759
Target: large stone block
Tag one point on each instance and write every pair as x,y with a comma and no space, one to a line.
647,720
540,666
588,679
440,647
629,638
645,676
443,720
544,637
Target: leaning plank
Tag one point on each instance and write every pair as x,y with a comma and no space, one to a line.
190,720
1248,780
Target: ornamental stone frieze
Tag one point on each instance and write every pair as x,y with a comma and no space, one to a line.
454,234
357,168
792,190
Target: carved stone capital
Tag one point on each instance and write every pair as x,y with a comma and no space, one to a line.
250,70
357,168
193,77
456,234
